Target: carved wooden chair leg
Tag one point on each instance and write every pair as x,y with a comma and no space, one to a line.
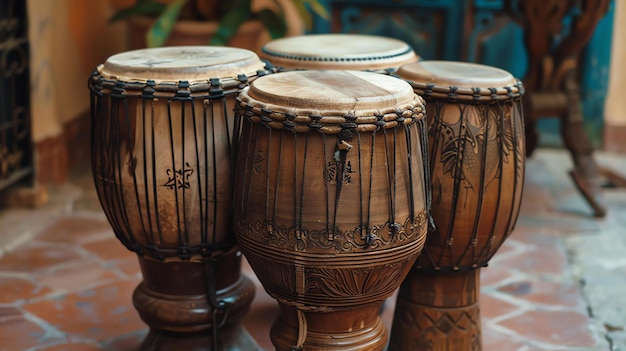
613,179
585,173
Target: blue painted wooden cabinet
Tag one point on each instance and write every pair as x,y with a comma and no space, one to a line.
474,31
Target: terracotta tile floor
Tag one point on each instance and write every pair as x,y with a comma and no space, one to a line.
69,287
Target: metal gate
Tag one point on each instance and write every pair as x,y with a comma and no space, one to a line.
16,161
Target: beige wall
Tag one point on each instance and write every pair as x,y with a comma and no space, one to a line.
615,108
68,38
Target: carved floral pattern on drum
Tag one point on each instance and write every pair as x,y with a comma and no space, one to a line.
430,328
328,286
463,140
354,281
378,236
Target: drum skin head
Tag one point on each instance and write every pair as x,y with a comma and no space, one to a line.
333,90
176,63
457,74
338,51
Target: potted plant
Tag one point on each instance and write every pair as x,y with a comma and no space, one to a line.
240,23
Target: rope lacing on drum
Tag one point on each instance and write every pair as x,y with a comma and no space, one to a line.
316,122
215,88
429,89
118,90
476,93
432,91
243,80
452,94
509,91
291,120
269,67
494,93
183,92
148,92
97,89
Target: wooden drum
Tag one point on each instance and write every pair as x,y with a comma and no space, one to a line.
162,128
329,203
338,52
476,147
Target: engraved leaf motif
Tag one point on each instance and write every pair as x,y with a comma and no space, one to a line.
351,282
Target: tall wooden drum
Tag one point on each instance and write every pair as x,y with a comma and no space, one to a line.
329,203
162,129
476,146
338,52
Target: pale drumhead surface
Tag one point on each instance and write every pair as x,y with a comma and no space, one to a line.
344,51
181,63
457,74
333,90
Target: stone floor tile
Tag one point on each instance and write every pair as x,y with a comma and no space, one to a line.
540,261
559,328
535,237
18,333
260,318
494,340
494,274
96,314
559,222
70,278
109,249
36,257
492,307
72,347
14,288
126,342
19,226
549,294
128,266
75,229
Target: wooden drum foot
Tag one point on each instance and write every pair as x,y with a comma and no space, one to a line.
357,328
183,303
437,312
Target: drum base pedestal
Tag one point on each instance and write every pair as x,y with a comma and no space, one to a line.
437,312
347,328
181,302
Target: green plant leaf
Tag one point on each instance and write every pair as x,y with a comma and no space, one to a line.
315,6
238,13
318,8
141,8
162,27
303,12
273,22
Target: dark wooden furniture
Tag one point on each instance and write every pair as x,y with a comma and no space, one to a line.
551,83
540,41
16,151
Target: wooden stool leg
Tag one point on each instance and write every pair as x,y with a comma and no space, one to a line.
437,312
585,173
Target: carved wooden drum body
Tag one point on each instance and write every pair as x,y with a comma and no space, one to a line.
338,52
161,148
162,129
476,147
329,203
